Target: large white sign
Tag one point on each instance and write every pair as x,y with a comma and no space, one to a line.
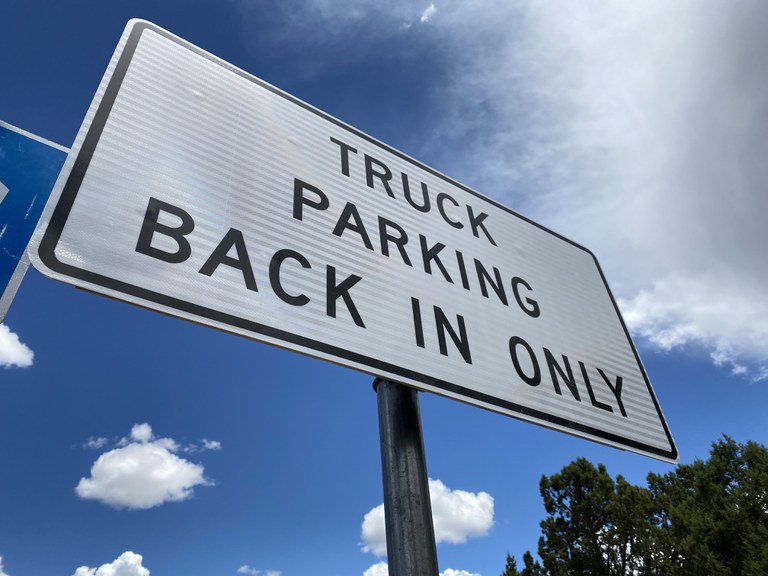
200,191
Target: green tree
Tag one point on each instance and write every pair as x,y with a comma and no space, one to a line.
573,535
530,567
628,537
510,568
705,518
712,517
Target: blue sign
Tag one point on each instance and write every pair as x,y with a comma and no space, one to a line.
29,166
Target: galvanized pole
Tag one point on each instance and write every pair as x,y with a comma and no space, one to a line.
411,547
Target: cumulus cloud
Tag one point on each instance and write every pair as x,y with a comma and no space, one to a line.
141,433
142,472
456,514
378,569
245,569
12,351
678,310
127,564
382,569
374,533
2,570
459,515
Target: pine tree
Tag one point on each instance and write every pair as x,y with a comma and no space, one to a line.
510,568
573,536
709,517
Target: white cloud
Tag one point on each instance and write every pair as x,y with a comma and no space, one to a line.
639,130
142,473
12,351
341,20
456,514
204,445
96,443
378,569
128,564
245,569
141,433
374,532
2,570
459,515
428,13
679,310
211,444
382,569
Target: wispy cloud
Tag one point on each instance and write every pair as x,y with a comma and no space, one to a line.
142,472
127,564
96,443
637,130
211,444
12,351
246,569
428,13
456,514
640,132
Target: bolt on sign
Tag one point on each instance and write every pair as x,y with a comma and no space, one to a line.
201,191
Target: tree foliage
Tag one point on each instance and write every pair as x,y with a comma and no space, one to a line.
705,518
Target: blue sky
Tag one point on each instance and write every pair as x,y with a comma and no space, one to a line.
638,132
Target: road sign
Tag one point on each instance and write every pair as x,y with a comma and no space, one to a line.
29,166
203,192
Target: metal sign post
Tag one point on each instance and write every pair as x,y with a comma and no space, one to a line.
411,549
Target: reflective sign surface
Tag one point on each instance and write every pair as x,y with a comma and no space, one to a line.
200,191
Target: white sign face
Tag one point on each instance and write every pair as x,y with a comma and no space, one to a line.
198,190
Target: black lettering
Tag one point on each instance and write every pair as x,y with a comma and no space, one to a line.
532,308
567,376
441,198
534,380
384,174
274,276
335,291
418,327
460,340
386,237
462,270
498,286
345,149
478,222
425,205
350,213
431,254
595,402
233,238
299,200
150,225
616,390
